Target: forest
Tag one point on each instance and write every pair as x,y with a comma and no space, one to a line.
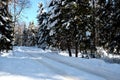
78,26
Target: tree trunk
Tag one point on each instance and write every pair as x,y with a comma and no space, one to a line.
76,49
69,50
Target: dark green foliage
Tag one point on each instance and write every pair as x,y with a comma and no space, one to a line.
44,30
82,25
29,35
109,14
71,24
6,29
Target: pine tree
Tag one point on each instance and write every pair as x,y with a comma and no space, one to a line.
6,29
109,18
25,36
116,24
31,34
81,25
70,17
94,26
58,20
43,31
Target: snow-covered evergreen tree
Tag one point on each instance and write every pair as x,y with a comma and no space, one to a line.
70,23
116,26
6,29
81,25
31,35
109,14
44,30
25,36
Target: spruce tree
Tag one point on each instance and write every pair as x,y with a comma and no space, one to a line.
31,33
43,31
58,20
110,31
6,29
71,18
116,24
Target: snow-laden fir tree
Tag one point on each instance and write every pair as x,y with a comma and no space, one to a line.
44,30
31,35
25,36
81,25
116,26
70,23
6,29
109,14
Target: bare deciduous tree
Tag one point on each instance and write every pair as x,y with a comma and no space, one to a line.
17,8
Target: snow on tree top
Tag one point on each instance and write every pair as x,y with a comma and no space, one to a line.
3,2
0,35
1,23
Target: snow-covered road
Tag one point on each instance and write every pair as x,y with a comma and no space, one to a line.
66,70
99,71
36,64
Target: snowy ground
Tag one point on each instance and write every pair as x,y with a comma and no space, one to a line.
28,63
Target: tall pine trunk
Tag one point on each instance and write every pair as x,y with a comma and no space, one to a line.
76,49
69,49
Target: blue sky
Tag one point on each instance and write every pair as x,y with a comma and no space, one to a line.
31,12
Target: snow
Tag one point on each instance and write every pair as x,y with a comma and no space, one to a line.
5,18
1,24
8,39
31,63
100,50
88,33
63,2
68,24
51,32
4,3
0,35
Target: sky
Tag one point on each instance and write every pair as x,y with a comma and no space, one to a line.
31,13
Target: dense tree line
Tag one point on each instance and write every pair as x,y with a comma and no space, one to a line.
109,17
29,35
25,35
81,25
